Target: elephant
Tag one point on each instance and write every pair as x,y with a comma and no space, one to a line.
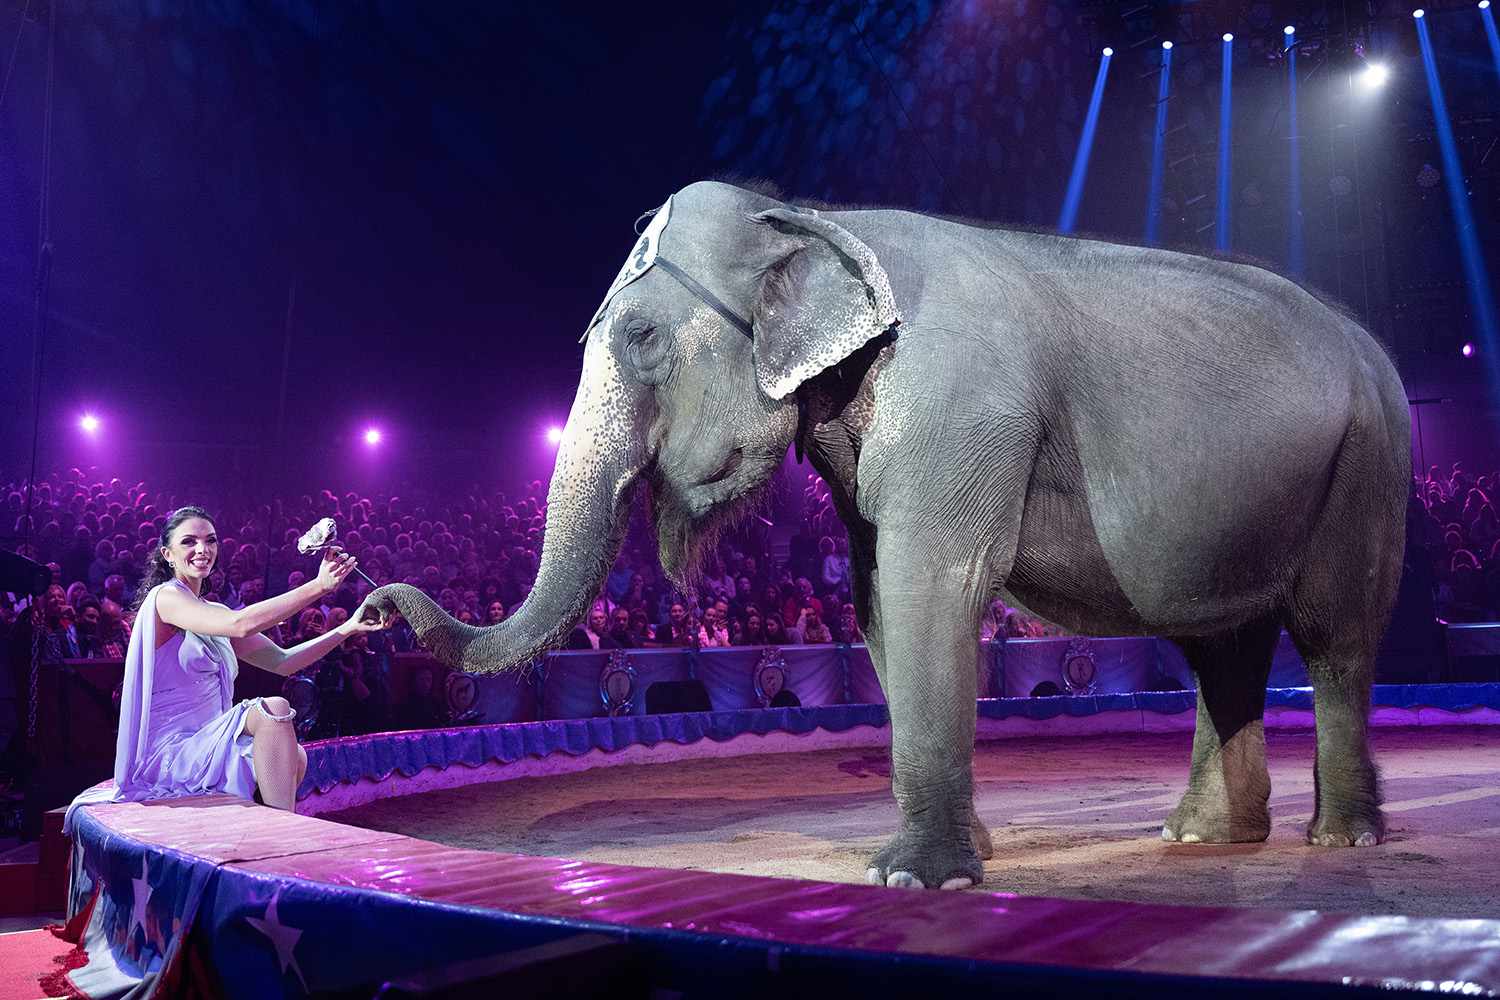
1121,440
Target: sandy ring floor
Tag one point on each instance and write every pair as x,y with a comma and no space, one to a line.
1078,817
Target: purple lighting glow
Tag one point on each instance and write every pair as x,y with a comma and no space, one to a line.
554,435
372,436
1467,350
89,423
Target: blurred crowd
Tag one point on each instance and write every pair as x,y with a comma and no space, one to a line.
475,554
1452,519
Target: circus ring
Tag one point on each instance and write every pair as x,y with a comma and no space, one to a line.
219,896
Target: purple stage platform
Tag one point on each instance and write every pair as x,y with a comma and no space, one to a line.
219,896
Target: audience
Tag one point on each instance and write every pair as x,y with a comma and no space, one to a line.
476,554
1453,531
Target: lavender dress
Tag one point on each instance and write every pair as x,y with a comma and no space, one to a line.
180,732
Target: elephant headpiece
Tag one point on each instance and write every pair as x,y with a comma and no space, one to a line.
645,254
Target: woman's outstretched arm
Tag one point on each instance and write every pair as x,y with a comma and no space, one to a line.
182,611
259,651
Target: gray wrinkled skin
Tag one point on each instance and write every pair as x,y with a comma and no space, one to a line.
1122,440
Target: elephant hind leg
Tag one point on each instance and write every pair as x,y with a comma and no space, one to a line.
1228,784
1340,604
1339,650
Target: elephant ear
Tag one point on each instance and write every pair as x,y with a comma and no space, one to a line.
823,298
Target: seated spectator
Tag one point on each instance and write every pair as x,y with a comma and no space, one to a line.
114,633
678,629
420,710
88,628
640,628
76,592
363,711
835,568
713,633
103,565
717,580
771,601
754,633
849,630
114,589
800,598
620,632
775,631
54,618
310,624
494,613
593,633
813,629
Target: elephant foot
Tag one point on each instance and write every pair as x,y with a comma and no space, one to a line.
1198,821
909,862
980,834
1346,831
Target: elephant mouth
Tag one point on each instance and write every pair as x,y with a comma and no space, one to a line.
688,524
727,469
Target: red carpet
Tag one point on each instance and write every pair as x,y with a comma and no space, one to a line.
29,957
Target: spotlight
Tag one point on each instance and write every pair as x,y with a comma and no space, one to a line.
1166,45
1419,13
1484,4
1228,37
89,423
1374,75
1289,30
554,435
1108,51
372,436
1467,350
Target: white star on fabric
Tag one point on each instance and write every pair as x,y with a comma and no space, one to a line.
283,938
140,897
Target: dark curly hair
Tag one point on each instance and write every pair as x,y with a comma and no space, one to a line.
157,568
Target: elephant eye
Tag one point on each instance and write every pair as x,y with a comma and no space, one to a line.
646,348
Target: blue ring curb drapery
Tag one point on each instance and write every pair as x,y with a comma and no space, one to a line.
378,756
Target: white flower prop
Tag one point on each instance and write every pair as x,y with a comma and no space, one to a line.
318,537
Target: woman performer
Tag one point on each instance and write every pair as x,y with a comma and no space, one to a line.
180,732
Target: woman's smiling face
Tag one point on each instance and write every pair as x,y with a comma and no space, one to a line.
194,549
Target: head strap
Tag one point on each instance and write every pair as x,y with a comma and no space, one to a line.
641,259
711,300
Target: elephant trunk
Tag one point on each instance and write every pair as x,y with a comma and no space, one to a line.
599,461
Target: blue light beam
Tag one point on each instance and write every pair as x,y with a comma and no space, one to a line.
1158,147
1085,145
1296,258
1221,226
1489,31
1477,279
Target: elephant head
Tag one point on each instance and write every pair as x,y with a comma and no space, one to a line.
729,301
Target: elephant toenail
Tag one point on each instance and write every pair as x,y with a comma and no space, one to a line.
903,880
958,883
1167,834
1366,839
872,876
1191,838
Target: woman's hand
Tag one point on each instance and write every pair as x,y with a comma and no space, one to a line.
337,564
355,626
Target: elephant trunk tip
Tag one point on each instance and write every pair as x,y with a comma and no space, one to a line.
453,643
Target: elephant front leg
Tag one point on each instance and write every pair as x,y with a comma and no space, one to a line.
929,677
